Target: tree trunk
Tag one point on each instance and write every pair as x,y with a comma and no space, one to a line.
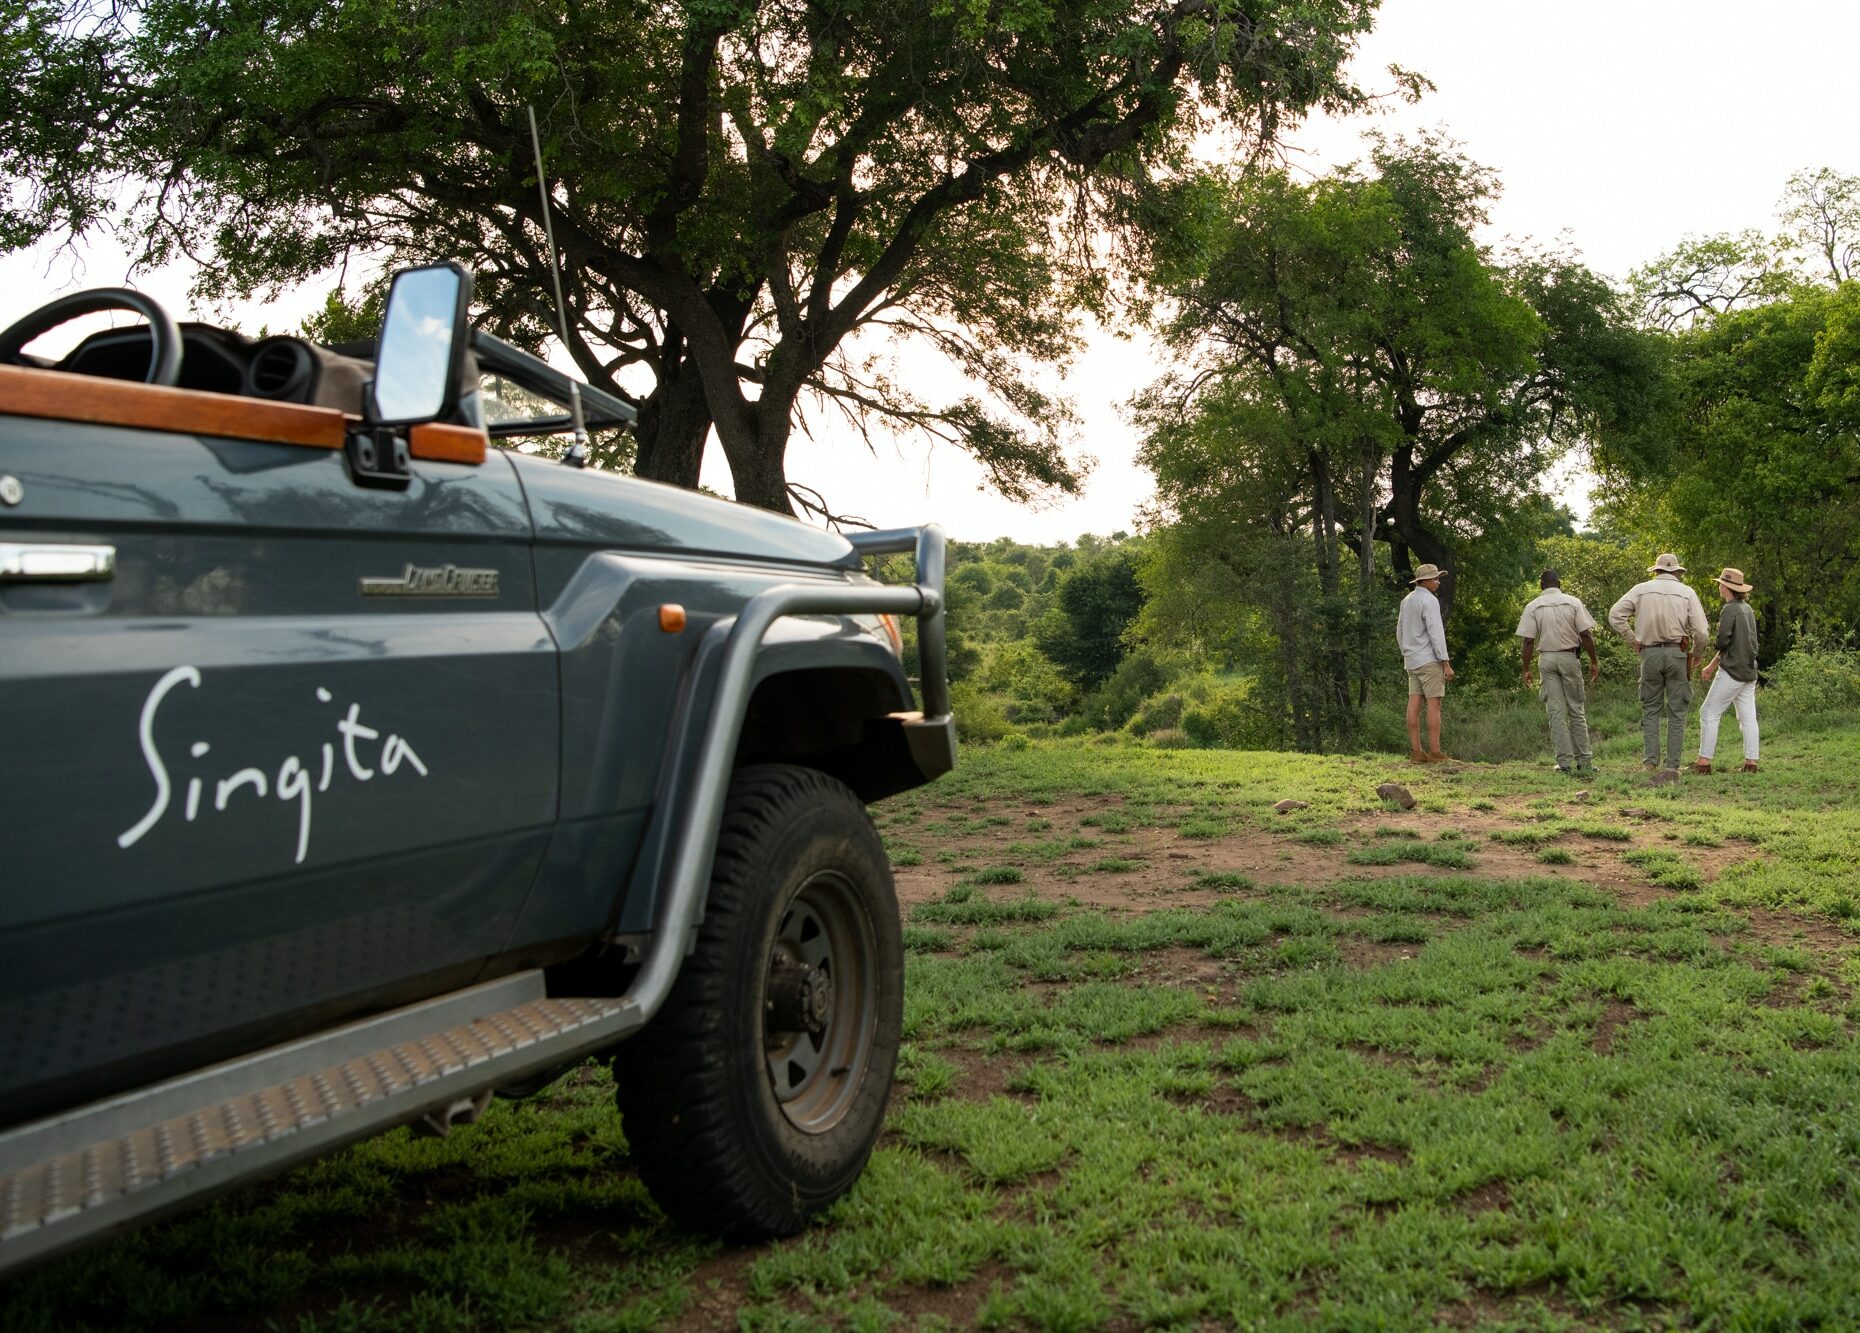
674,424
1416,538
759,462
1365,579
1324,523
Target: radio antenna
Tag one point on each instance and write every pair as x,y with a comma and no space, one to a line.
577,455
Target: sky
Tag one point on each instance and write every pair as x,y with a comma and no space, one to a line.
1619,126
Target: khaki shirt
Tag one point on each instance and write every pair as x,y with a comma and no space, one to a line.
1664,610
1556,621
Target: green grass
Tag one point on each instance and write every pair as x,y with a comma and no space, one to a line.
1437,1097
1665,868
1405,848
998,875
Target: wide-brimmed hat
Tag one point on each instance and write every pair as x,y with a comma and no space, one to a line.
1734,580
1425,572
1666,563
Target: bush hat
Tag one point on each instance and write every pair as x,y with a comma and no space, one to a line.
1734,580
1426,572
1666,563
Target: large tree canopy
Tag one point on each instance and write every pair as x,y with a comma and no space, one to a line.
740,184
1357,369
1752,456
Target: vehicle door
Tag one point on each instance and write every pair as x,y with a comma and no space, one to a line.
279,747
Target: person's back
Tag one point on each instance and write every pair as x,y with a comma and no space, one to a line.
1555,625
1665,620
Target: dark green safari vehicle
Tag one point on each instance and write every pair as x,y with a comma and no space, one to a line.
355,771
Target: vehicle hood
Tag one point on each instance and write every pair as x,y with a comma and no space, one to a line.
581,507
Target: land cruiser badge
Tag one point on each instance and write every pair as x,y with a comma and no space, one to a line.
444,581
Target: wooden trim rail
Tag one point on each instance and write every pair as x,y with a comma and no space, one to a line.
58,396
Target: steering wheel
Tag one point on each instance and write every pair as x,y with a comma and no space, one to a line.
164,333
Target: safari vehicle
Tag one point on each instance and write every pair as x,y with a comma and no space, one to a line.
355,771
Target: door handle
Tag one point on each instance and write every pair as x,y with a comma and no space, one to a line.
55,562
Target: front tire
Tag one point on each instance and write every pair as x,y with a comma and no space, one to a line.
752,1100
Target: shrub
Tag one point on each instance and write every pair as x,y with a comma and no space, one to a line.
1210,712
979,716
1817,675
1162,712
1143,673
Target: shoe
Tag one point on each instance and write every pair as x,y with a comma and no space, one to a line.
1566,772
1437,757
1701,766
1649,766
1417,756
1750,766
1585,770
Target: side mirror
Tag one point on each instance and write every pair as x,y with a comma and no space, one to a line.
421,347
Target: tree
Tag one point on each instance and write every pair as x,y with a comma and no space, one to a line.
1083,634
1359,370
1703,277
1822,208
1706,276
740,186
1752,452
1754,460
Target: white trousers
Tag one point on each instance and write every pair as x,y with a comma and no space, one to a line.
1727,693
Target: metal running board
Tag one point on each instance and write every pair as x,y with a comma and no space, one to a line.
70,1177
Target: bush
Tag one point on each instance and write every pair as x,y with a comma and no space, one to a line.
979,716
1140,675
1219,719
1162,712
1817,675
1209,712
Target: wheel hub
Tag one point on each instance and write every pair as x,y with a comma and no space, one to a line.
800,997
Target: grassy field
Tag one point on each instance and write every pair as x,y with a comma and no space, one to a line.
1528,1055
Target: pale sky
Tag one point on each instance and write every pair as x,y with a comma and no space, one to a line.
1620,125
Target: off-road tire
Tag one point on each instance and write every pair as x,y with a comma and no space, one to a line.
722,1149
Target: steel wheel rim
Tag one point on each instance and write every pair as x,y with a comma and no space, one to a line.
825,929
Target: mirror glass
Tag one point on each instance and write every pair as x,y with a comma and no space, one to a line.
413,360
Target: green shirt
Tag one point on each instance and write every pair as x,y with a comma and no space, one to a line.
1737,642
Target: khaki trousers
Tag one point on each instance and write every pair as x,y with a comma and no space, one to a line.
1664,692
1567,707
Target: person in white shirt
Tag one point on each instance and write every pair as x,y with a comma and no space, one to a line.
1423,642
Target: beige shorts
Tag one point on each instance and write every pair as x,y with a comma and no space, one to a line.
1429,682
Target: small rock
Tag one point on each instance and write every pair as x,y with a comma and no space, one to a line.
1582,795
1286,807
1394,791
1664,778
1634,812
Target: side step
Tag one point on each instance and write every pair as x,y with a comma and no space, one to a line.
70,1177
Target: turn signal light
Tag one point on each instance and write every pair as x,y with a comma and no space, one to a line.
671,617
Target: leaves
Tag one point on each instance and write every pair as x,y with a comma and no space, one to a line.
751,194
